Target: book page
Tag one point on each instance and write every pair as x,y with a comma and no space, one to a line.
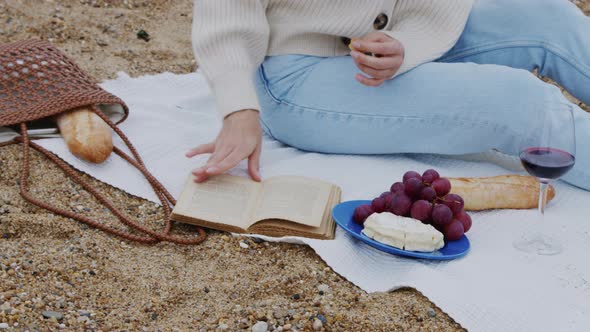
222,199
293,198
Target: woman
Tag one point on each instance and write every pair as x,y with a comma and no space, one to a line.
424,76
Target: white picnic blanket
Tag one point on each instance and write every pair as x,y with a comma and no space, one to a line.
493,288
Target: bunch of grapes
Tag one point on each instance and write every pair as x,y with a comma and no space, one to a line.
423,197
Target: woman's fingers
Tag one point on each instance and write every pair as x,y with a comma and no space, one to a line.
201,149
239,138
379,74
368,81
229,162
381,63
201,173
254,164
392,47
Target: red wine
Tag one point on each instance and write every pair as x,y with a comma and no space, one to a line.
547,163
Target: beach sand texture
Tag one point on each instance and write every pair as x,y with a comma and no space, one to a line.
56,273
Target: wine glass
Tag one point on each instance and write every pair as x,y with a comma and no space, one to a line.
547,152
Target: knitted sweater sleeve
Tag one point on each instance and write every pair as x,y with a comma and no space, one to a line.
230,39
428,30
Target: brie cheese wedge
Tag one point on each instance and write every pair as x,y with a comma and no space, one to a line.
403,233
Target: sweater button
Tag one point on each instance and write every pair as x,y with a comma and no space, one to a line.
380,21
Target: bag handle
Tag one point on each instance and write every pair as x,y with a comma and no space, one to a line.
150,236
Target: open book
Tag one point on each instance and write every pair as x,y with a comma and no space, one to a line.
278,206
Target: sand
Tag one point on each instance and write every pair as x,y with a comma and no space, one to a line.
53,266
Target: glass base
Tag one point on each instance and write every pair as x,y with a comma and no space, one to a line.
539,244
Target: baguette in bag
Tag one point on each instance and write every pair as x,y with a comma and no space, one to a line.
87,136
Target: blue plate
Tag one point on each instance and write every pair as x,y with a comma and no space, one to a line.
342,214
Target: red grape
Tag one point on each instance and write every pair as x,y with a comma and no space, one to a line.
421,210
400,204
397,187
454,230
387,197
385,194
410,175
413,187
442,215
454,202
442,186
465,219
429,176
361,213
427,194
379,204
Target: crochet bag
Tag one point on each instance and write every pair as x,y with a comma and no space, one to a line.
37,81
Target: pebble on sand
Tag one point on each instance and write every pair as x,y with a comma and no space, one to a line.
317,325
260,326
323,288
3,326
244,245
431,312
54,314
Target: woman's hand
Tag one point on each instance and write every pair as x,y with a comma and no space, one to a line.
239,138
385,59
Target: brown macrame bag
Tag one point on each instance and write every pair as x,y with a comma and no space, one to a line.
37,81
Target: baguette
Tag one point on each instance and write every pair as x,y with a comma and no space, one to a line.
87,136
499,192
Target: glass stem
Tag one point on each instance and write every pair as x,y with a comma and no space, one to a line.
543,197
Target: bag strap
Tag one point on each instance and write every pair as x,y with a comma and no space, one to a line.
150,236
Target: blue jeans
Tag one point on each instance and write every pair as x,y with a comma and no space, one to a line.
475,98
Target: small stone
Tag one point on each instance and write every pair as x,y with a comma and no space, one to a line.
3,326
287,326
54,314
280,314
257,240
244,245
323,288
317,325
154,316
62,326
260,326
322,318
222,327
143,35
296,296
40,305
82,319
431,312
206,290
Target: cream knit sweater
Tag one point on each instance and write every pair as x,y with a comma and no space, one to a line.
232,37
